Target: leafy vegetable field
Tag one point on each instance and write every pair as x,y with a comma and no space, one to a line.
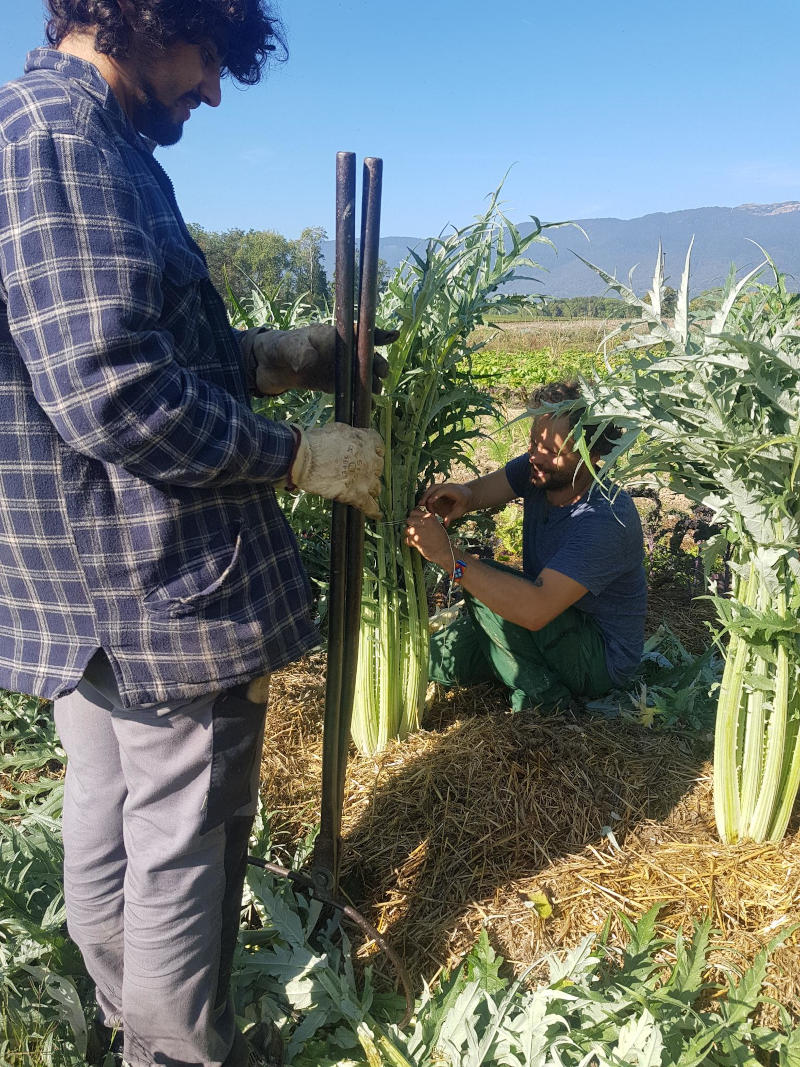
554,882
516,356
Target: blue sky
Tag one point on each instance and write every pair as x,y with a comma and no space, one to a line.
604,109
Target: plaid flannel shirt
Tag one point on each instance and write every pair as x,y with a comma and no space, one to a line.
136,507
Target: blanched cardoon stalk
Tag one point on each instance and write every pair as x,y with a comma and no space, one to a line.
426,417
728,745
756,755
712,403
765,820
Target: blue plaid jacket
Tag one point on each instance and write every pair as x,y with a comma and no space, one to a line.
136,511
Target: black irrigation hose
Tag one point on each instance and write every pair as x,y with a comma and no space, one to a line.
306,883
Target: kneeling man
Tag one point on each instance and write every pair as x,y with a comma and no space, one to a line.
571,624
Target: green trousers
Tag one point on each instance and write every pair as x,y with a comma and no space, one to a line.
551,666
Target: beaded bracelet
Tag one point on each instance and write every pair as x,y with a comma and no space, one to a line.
458,571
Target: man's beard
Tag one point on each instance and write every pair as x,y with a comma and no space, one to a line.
153,119
552,479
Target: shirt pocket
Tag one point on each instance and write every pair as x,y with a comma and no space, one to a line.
190,586
183,313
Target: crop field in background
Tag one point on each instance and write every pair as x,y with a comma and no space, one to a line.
518,355
559,334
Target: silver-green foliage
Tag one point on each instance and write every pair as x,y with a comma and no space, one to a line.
644,1007
674,689
294,970
647,1005
711,401
41,1011
28,744
41,972
426,417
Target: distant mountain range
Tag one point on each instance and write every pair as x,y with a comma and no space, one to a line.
723,236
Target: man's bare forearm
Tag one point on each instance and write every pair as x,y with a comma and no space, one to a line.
528,602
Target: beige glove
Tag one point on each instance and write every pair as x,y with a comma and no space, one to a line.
277,360
340,463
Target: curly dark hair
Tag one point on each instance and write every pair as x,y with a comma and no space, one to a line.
600,441
245,32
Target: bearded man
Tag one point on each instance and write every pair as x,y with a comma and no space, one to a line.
571,625
149,582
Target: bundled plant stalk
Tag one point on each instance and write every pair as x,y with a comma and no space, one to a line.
426,416
712,403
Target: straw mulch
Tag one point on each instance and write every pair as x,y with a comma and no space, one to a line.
457,826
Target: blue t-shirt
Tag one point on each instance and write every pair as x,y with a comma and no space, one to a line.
598,543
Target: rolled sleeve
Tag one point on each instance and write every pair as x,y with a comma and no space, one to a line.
518,472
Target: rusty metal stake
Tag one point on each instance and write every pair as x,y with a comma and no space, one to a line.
353,406
306,883
325,866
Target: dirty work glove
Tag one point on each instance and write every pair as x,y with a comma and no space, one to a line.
339,462
277,360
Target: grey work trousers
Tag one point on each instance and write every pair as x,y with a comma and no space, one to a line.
158,808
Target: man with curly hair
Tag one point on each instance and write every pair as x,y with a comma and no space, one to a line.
148,580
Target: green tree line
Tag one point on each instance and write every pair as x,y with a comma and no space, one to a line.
583,307
599,307
240,260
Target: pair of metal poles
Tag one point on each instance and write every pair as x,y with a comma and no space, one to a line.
354,354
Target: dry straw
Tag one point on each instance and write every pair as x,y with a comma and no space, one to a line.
463,823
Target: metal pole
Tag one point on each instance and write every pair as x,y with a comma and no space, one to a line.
362,413
367,287
326,859
353,404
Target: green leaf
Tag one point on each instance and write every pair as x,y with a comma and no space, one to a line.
540,903
691,961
